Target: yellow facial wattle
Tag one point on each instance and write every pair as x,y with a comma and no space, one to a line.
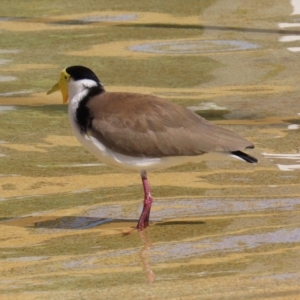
61,85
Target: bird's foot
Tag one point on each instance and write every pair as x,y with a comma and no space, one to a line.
142,225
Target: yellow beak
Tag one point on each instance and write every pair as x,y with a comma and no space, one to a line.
61,85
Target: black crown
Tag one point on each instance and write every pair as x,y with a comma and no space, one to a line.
81,72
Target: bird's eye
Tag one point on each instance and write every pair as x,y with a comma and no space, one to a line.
65,77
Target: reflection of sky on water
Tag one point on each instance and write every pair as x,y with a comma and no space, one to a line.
284,276
5,61
9,51
284,167
291,38
7,78
11,94
296,7
26,258
7,108
293,126
193,47
164,209
166,252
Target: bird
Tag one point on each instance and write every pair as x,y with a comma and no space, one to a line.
141,132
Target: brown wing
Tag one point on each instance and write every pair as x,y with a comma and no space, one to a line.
147,126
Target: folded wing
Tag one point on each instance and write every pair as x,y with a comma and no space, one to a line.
147,126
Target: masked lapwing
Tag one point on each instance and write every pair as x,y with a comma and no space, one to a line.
141,132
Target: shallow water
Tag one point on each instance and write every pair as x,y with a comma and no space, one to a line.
220,229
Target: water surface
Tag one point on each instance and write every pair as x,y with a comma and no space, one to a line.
220,229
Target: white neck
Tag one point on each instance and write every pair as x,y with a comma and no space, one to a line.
77,87
77,90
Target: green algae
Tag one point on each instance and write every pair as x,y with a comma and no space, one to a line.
187,71
56,7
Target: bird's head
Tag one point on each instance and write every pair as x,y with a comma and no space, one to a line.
73,80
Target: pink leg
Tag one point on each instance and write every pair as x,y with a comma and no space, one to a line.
145,215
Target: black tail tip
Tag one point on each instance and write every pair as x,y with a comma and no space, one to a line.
246,157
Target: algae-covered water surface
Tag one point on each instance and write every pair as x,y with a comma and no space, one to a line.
220,229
